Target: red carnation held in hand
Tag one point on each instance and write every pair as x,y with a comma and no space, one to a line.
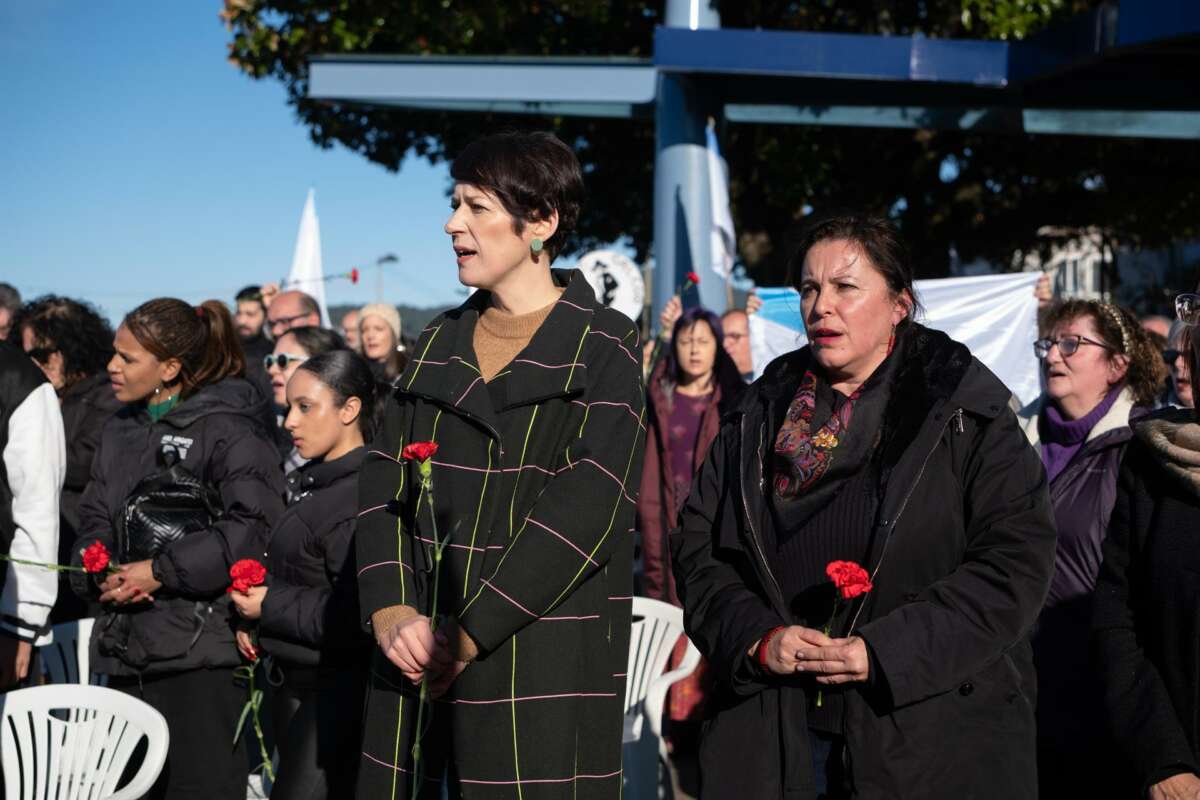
850,578
693,278
419,451
246,574
95,558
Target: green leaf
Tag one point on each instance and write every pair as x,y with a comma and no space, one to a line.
241,723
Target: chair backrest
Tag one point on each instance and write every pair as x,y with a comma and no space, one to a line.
64,658
73,742
656,628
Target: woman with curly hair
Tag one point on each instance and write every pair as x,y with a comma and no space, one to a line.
71,343
1102,374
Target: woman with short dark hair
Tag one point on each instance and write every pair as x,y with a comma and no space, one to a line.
534,398
887,444
1146,609
185,482
72,344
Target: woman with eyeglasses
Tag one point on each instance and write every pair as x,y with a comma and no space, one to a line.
1146,615
1102,372
72,344
1176,359
292,349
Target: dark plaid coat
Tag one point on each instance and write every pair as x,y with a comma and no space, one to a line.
534,485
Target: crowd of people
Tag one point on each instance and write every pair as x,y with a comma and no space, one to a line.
447,527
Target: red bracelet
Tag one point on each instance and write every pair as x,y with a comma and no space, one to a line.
761,653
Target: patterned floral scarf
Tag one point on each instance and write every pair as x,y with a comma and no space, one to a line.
803,456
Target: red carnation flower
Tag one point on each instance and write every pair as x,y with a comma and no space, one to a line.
246,574
850,578
354,275
419,451
693,278
96,558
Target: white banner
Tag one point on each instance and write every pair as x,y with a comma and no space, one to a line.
993,315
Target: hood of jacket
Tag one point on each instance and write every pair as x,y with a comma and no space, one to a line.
235,396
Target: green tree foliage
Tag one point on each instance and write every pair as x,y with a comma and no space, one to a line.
985,195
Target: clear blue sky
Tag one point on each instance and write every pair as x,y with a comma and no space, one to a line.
135,162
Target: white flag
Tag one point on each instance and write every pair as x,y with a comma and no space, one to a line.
306,274
724,244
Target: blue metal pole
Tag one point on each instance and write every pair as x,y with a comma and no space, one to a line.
682,207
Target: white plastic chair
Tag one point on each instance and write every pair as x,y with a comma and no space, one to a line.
64,658
83,756
656,628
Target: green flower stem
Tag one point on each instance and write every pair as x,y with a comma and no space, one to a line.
828,628
426,469
44,565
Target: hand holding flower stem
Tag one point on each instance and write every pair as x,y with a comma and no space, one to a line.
664,332
851,581
422,452
247,574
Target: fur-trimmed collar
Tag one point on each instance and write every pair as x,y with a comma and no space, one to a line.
1173,438
933,369
1121,415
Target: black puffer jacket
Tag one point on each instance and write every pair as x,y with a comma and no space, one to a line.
310,614
218,438
86,406
961,556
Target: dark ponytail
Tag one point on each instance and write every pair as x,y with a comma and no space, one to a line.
347,375
201,337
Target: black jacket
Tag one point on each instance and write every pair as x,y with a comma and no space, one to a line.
218,437
961,555
86,406
310,614
1146,616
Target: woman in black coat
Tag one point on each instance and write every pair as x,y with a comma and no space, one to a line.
72,344
533,394
185,482
306,617
887,444
1146,612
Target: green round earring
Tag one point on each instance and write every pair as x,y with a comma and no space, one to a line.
536,245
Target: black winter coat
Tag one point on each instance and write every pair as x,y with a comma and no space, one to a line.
961,555
219,438
310,614
86,406
1146,616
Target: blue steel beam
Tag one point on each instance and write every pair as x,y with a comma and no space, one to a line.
404,80
832,56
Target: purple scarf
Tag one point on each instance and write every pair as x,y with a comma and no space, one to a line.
1062,439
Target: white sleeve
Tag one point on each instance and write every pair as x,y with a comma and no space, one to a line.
35,459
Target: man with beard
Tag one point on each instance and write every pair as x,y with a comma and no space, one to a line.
249,319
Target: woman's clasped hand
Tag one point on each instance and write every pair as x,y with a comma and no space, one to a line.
799,649
421,653
131,583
